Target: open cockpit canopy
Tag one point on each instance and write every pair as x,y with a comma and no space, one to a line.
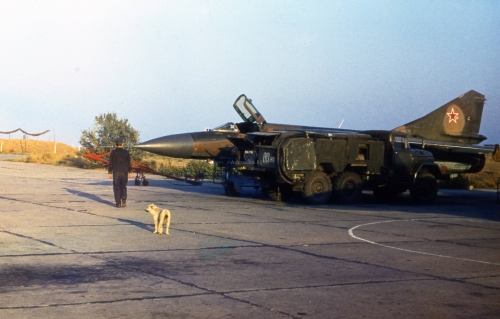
247,110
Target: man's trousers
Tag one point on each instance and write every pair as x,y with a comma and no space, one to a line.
120,181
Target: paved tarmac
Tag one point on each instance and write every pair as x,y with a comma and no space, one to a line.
67,252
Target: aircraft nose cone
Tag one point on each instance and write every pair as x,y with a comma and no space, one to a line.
178,145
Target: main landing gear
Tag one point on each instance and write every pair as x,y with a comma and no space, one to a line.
141,177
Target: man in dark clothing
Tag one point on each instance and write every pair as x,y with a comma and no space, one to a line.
120,169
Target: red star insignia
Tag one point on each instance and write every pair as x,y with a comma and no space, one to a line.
453,116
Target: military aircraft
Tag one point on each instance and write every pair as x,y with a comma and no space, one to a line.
215,144
451,133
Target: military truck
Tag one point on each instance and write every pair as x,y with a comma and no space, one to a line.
320,166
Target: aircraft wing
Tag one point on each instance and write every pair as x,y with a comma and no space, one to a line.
247,141
314,132
452,147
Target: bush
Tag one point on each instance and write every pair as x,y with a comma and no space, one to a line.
74,161
193,168
460,182
45,158
481,182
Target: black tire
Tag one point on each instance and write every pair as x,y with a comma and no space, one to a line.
272,193
270,188
137,181
317,189
425,189
347,188
230,190
278,192
145,182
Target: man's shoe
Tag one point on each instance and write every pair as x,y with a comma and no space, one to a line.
124,202
118,205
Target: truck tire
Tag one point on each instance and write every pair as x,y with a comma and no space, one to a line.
278,192
269,188
347,188
317,189
425,189
231,190
272,193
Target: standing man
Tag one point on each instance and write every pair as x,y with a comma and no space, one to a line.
120,169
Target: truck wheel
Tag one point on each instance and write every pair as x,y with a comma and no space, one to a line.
270,189
278,193
317,189
425,189
230,190
347,188
271,193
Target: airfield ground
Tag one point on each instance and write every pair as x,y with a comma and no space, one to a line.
67,252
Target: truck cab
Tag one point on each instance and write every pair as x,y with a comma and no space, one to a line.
405,168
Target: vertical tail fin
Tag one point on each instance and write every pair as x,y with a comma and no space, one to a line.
456,121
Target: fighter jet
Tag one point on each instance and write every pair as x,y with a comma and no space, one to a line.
451,133
215,144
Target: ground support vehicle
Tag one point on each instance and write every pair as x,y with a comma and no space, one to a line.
323,165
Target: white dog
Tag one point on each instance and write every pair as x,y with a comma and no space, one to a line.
159,216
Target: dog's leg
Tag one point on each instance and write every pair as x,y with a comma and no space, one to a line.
156,225
162,218
167,223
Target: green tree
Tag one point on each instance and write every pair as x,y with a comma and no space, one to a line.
107,128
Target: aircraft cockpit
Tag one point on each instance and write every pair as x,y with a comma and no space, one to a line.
227,127
247,110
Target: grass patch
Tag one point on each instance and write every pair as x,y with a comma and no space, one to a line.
41,152
179,167
488,178
18,146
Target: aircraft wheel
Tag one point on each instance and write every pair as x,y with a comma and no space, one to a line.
425,189
145,182
317,189
137,181
347,188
